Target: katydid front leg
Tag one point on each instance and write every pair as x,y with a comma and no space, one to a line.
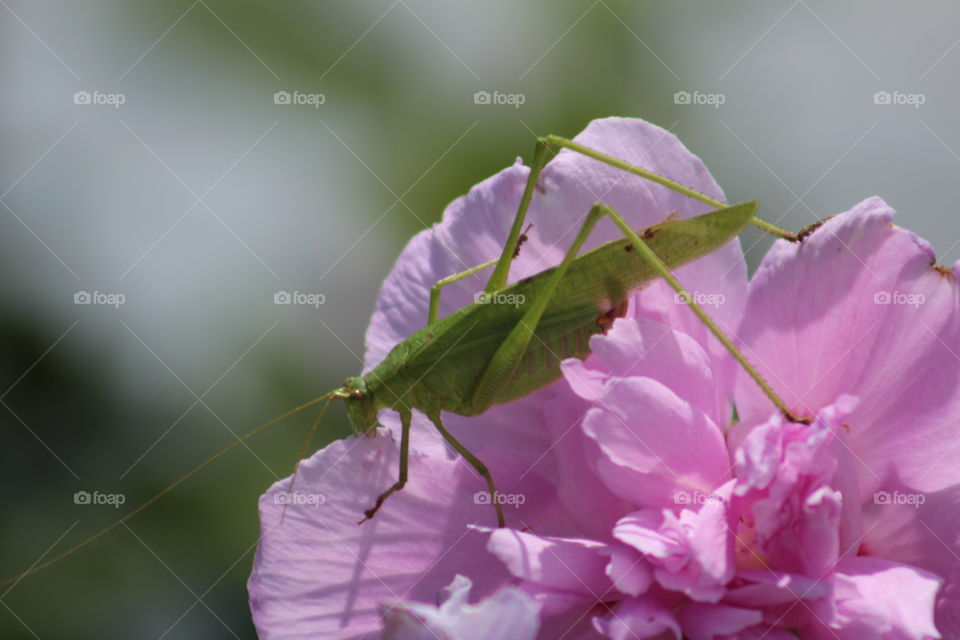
435,289
405,418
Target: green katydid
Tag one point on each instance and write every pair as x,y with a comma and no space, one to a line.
489,354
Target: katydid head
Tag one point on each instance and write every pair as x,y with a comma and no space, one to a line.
361,407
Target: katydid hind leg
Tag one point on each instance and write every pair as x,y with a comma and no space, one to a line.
563,143
648,255
405,419
498,279
507,357
474,462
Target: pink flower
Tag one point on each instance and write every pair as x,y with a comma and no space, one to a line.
639,511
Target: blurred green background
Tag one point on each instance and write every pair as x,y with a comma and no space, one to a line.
199,198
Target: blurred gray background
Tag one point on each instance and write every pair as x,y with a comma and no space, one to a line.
143,155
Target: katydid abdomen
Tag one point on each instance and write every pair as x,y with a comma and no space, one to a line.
438,367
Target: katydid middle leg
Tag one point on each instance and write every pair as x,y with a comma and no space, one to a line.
474,462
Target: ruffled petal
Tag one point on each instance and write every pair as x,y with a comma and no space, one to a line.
509,614
877,599
656,448
861,308
639,619
318,574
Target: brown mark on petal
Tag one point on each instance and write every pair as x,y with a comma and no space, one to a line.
605,319
808,230
846,427
944,270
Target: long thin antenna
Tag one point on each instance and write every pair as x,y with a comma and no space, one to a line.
166,490
303,450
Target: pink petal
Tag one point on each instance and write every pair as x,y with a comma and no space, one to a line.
691,553
874,598
318,574
859,308
639,619
509,614
715,621
628,570
654,444
561,573
638,347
